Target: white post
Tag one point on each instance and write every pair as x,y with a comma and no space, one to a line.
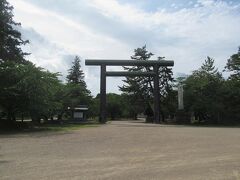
180,97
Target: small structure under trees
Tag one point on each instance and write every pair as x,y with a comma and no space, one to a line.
79,113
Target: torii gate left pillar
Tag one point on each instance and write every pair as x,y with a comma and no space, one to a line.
103,104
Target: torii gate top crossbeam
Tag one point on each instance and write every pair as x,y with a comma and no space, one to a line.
98,62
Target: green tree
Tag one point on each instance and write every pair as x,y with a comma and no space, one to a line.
75,92
41,86
25,88
233,65
114,107
75,95
10,38
231,90
202,93
141,88
231,99
128,109
94,104
9,93
75,73
137,88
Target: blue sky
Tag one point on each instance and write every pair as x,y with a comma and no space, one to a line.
170,5
185,31
155,5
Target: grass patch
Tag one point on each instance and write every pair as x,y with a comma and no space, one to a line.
65,127
57,126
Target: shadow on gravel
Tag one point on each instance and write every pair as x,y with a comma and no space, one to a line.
141,123
4,162
50,128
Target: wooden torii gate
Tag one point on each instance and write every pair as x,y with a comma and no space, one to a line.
155,73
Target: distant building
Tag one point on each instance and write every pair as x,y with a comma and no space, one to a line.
79,113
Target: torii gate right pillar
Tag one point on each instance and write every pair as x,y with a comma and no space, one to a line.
156,95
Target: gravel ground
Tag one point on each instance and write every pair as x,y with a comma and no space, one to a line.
123,150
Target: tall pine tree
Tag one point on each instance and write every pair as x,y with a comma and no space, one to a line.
203,93
76,92
141,89
233,65
10,38
75,73
232,88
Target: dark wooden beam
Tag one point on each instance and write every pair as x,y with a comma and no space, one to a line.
126,73
99,62
156,95
102,118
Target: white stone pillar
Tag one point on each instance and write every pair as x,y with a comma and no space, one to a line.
180,97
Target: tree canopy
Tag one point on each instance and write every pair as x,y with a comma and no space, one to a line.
28,89
75,73
140,89
233,65
202,92
10,38
75,92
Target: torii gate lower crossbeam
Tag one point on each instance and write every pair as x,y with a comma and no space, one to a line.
155,73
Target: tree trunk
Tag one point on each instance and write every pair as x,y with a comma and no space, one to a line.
35,118
135,116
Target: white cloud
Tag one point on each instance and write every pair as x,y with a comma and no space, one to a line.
45,53
109,29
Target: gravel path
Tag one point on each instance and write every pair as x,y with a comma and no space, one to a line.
123,150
